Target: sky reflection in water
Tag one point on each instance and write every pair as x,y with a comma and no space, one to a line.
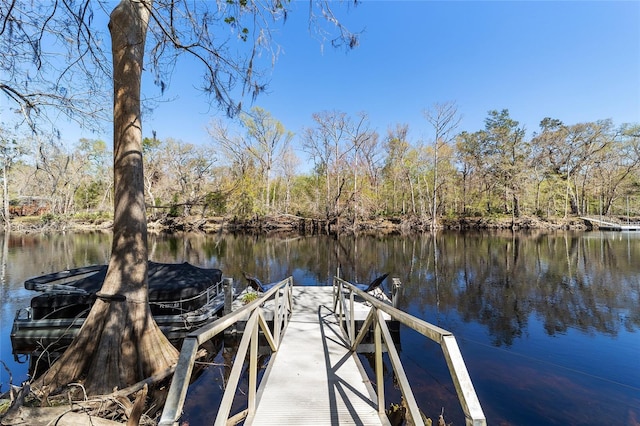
547,323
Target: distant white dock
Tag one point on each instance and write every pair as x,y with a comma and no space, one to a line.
608,225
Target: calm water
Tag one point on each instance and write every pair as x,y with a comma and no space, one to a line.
548,324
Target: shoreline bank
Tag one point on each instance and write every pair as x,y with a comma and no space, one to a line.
285,223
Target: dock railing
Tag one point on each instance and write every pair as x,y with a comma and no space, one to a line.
281,293
344,299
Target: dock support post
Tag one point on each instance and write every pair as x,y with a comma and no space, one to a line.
377,333
395,290
227,284
278,313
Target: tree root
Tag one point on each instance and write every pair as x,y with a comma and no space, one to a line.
138,406
117,406
121,405
18,395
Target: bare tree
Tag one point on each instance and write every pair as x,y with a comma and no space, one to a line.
154,173
10,151
444,119
371,161
362,144
397,149
267,140
332,144
232,147
325,143
288,167
43,78
59,171
187,169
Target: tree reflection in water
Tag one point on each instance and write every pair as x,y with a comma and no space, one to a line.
547,322
567,281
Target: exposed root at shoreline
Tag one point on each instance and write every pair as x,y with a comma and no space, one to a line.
28,406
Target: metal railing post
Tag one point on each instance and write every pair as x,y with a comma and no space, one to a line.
253,368
352,318
339,302
277,318
379,370
227,284
395,291
334,292
289,288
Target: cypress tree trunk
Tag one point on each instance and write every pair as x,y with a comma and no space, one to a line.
120,343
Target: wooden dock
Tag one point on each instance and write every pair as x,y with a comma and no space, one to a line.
314,378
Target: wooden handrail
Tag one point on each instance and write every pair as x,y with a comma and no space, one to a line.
180,382
474,416
343,309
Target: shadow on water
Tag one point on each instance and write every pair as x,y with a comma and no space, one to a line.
547,323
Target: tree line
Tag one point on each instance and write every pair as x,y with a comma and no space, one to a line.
352,173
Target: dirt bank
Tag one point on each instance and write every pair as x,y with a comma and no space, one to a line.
286,223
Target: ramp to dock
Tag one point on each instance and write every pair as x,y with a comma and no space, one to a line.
314,379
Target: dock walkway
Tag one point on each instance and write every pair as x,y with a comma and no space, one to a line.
314,378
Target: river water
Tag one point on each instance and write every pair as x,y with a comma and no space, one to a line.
548,323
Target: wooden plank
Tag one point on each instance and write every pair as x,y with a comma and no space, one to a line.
313,378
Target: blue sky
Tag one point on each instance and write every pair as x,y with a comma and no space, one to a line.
575,61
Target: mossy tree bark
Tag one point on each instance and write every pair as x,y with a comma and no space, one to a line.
120,343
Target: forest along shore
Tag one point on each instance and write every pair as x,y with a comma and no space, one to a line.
304,225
